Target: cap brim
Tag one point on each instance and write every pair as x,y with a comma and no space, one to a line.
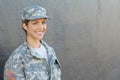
39,17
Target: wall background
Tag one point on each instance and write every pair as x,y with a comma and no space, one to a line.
84,33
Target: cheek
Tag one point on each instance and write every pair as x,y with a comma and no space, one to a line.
30,29
45,28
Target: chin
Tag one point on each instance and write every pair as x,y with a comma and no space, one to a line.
40,38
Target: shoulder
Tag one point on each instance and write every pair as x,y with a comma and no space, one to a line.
20,49
18,53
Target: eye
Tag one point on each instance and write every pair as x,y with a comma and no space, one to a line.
43,22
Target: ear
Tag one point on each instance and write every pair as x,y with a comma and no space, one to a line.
24,26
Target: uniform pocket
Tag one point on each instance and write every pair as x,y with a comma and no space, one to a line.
56,63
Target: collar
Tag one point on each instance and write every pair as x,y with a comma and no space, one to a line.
47,47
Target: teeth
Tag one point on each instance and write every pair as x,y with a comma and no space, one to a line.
39,32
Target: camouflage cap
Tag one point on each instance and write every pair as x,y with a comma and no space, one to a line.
33,12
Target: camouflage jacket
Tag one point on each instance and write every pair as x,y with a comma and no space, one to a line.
23,64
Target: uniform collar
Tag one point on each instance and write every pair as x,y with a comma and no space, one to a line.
34,53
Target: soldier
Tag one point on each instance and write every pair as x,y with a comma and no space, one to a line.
34,59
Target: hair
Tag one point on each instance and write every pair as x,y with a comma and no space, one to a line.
26,23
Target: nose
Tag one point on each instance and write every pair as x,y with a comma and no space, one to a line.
41,26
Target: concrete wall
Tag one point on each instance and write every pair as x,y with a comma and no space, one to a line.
84,33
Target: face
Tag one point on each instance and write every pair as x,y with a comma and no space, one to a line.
35,29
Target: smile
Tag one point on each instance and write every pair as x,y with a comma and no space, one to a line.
39,33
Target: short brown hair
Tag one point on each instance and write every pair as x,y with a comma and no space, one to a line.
26,23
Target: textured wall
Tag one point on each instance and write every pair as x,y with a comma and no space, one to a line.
84,33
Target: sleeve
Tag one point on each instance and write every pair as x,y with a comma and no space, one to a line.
14,69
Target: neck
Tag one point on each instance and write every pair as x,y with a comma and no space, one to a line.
34,43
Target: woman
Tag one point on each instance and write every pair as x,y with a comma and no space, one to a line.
34,59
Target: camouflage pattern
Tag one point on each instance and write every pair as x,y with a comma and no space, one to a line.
33,12
24,64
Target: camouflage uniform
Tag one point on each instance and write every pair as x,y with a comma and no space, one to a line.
24,64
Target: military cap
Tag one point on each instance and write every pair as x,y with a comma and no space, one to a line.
33,12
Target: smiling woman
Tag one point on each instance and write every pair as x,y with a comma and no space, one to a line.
35,31
34,59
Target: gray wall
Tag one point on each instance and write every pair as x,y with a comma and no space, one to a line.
84,33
